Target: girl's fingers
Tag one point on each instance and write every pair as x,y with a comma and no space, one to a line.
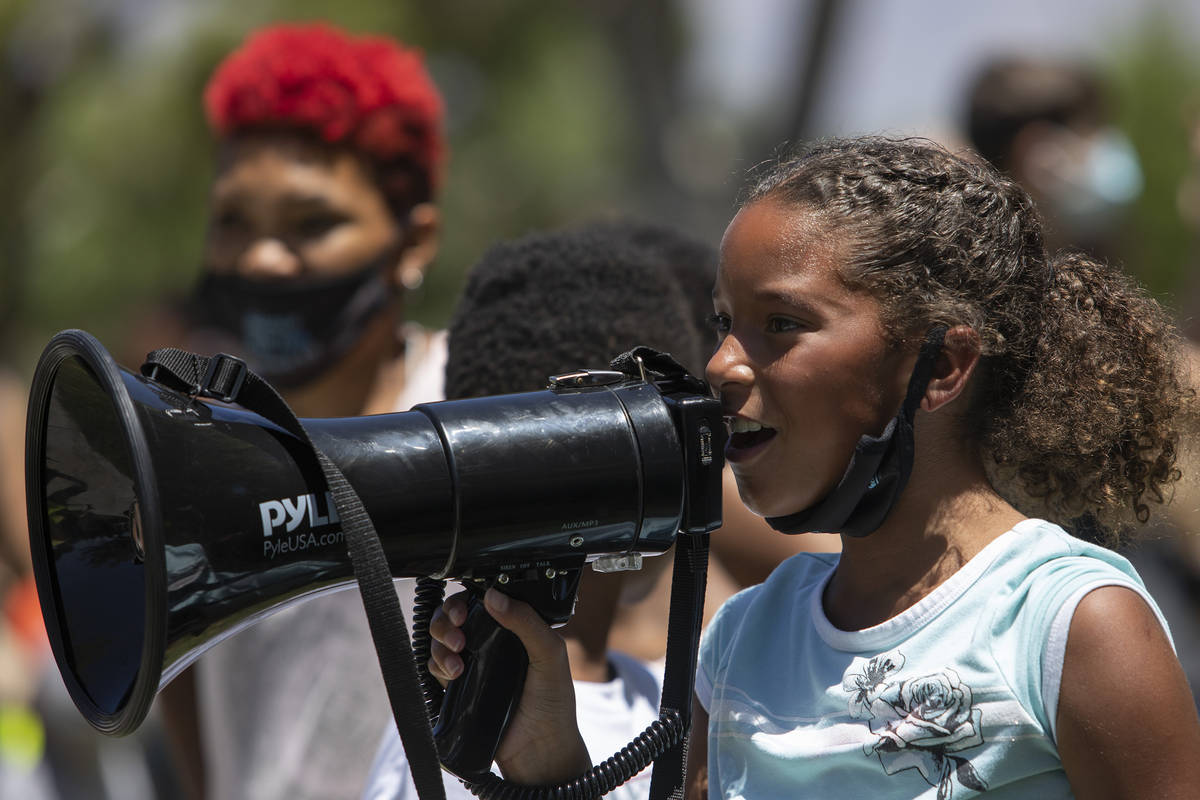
455,608
444,625
447,639
444,664
543,645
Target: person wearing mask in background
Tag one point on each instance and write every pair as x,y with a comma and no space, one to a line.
322,215
1046,124
549,304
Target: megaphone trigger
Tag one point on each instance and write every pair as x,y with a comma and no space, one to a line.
479,703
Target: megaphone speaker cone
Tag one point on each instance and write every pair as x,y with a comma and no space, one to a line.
95,531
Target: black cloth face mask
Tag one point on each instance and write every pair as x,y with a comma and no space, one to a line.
878,470
291,331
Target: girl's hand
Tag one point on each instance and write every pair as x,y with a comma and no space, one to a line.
542,744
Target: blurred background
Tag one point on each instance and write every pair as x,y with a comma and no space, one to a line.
558,112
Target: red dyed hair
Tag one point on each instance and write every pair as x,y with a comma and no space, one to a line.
367,92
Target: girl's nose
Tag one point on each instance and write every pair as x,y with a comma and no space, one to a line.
268,258
729,365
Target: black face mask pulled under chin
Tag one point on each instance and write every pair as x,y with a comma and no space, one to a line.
878,470
291,331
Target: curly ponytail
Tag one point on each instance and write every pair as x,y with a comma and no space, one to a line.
1080,385
1093,429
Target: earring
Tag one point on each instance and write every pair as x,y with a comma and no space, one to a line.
412,278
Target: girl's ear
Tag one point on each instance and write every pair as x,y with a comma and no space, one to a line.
961,351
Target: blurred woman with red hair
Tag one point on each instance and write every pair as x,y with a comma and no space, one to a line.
321,212
322,215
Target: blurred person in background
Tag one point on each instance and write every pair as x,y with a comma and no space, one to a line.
322,216
548,304
14,536
1047,124
23,645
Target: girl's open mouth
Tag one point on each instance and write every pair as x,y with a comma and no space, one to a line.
746,438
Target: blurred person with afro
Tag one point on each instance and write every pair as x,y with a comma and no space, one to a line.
322,217
551,303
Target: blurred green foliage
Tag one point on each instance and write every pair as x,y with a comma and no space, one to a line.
107,158
1156,80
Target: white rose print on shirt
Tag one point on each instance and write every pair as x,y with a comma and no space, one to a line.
919,723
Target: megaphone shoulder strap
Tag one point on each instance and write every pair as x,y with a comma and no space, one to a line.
227,378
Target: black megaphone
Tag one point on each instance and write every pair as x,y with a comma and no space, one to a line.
161,523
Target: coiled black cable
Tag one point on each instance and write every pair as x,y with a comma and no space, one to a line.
429,595
659,736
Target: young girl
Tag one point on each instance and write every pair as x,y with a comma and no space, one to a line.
958,645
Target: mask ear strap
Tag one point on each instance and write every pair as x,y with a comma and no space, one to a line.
879,468
923,371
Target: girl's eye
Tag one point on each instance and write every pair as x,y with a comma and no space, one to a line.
782,325
719,323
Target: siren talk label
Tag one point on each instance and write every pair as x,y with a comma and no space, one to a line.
292,524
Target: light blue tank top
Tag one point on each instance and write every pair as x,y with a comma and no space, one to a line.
955,696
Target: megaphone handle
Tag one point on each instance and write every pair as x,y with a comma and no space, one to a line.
479,702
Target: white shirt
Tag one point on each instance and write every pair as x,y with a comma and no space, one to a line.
611,714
